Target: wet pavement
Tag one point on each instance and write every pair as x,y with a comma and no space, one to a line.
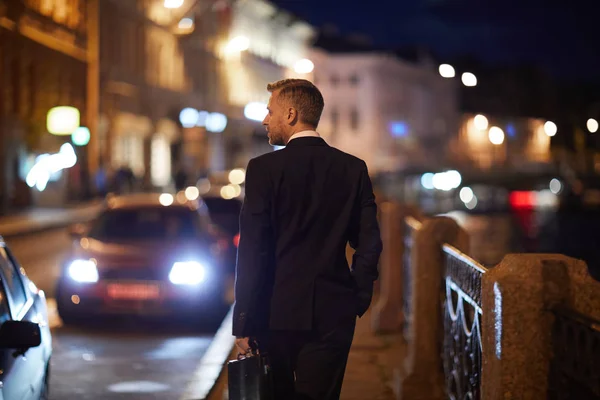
129,360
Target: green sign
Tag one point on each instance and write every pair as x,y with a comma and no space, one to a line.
81,136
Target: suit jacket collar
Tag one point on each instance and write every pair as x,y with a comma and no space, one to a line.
307,141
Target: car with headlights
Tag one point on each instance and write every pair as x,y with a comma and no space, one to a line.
147,255
25,337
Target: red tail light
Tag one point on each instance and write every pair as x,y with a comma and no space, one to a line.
236,240
522,199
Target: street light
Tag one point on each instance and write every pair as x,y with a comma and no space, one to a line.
186,23
304,66
216,122
496,135
255,111
481,122
173,3
592,125
188,117
62,120
550,128
238,44
469,79
447,71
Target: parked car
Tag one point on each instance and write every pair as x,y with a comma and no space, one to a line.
145,254
25,337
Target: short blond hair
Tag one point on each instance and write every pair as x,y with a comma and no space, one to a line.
301,94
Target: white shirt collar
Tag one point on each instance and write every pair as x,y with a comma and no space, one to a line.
300,134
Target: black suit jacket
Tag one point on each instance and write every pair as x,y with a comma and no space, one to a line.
303,205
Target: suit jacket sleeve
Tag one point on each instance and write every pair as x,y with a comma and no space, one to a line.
366,242
254,253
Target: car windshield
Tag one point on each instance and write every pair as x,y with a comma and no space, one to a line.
165,223
225,213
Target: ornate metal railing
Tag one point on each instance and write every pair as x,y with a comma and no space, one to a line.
411,225
462,330
575,367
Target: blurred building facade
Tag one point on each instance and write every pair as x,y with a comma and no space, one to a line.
509,119
392,113
264,44
162,67
488,142
43,64
154,63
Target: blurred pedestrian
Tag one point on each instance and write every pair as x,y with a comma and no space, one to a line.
295,294
181,178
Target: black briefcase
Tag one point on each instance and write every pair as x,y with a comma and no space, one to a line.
250,378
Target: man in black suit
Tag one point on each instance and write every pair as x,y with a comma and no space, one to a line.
294,292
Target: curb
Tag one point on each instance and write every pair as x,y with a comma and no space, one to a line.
213,362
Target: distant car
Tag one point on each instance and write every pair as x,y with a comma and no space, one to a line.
146,255
225,213
25,337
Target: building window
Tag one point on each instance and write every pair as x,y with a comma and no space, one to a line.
160,165
354,120
335,117
129,152
354,79
335,80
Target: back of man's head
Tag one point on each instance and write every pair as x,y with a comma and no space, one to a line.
303,96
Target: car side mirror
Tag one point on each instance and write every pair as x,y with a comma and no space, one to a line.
77,230
20,335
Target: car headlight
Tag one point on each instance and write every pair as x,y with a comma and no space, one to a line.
84,271
187,273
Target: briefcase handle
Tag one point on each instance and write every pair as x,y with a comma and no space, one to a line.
252,352
249,354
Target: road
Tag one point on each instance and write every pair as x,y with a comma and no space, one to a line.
112,359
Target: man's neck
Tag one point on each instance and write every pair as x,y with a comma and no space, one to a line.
303,133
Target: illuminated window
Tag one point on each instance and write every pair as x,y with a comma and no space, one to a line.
65,12
160,165
129,152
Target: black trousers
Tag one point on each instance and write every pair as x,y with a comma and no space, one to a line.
309,365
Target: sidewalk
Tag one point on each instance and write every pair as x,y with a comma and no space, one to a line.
369,374
39,219
373,358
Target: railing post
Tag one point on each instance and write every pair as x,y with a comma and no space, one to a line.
518,296
423,376
387,314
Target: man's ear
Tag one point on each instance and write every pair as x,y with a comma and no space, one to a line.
292,115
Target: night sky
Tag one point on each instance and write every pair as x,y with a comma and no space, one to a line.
556,35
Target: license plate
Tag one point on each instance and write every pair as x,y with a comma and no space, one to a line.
133,291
